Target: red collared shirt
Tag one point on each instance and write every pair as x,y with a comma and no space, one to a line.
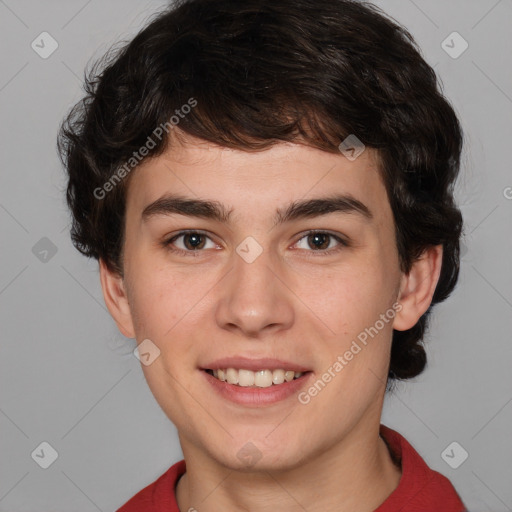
420,488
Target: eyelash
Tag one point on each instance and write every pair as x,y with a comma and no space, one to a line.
342,243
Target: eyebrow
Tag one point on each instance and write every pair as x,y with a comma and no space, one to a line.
173,204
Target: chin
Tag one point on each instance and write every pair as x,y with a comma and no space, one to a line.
260,455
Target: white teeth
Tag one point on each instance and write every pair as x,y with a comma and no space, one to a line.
289,375
232,376
261,378
278,376
245,378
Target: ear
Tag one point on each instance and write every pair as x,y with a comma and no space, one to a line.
417,288
114,294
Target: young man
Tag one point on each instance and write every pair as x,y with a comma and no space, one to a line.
267,186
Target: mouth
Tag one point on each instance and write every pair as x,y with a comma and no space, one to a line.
264,378
258,388
256,382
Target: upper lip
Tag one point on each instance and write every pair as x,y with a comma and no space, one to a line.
253,364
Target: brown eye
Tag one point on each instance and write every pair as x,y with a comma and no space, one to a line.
189,242
320,241
193,241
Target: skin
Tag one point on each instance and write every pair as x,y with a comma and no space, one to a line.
323,456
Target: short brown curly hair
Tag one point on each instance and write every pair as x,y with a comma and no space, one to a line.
264,71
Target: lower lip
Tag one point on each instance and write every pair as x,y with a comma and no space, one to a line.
257,396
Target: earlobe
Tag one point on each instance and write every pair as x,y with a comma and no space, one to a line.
116,300
417,288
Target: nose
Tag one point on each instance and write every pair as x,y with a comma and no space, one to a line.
255,298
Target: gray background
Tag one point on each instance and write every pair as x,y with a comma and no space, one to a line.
70,379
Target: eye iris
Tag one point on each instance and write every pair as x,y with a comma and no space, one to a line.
319,238
195,241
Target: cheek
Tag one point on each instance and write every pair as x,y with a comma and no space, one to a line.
167,303
154,300
351,297
356,303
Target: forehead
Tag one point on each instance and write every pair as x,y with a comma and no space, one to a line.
243,180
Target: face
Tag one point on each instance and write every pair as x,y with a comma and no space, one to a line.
290,262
